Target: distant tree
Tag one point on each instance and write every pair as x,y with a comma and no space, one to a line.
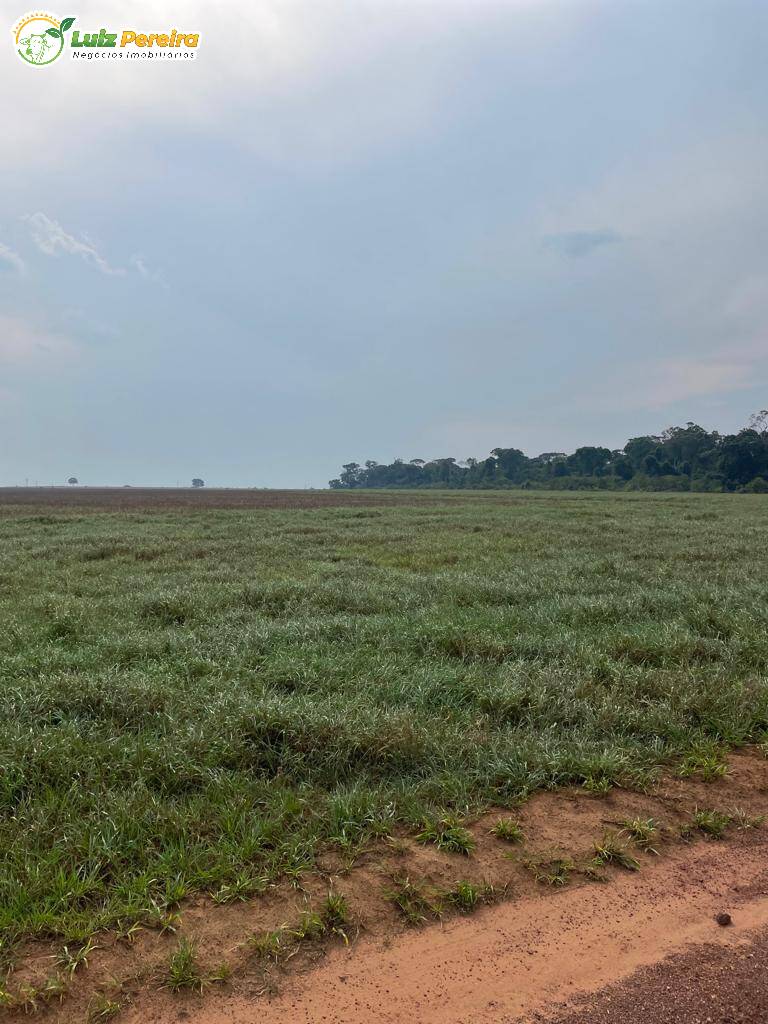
511,462
637,448
72,480
758,421
679,459
351,475
743,456
589,461
197,482
546,457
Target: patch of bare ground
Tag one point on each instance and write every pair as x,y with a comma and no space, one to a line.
114,499
724,982
561,913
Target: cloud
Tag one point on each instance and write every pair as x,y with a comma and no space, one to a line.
675,380
684,378
576,244
11,259
139,264
50,237
23,344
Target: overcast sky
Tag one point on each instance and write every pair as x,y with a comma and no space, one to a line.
365,229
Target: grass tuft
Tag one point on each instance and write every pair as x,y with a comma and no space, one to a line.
644,832
72,960
555,871
242,888
509,830
103,1008
447,834
707,765
745,821
183,969
610,850
466,896
713,824
413,900
273,945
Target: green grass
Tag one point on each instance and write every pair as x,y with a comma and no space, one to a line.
200,700
183,969
644,832
413,899
508,830
447,834
611,850
466,896
279,944
103,1008
553,871
713,824
69,961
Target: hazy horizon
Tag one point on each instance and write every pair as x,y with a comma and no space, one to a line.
381,229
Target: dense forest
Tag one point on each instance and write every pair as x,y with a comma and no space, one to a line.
687,458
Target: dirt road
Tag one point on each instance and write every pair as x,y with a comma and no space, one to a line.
533,959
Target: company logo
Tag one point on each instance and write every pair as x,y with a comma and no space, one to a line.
39,38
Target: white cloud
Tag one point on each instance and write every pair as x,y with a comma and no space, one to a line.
139,264
675,380
294,81
50,237
23,344
11,259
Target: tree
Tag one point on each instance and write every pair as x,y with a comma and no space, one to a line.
680,458
758,421
589,461
637,448
622,467
351,475
72,480
511,462
744,456
686,445
197,482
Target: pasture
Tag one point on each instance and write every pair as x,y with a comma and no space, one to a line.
199,694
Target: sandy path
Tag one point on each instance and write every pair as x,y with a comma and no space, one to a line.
708,984
517,960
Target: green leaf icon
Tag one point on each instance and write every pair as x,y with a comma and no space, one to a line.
54,32
67,23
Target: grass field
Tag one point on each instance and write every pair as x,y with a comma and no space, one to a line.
199,698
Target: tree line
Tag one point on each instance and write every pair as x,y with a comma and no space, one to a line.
687,458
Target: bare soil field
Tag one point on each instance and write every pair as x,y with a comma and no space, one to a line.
188,498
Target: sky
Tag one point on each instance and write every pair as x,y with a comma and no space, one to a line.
355,229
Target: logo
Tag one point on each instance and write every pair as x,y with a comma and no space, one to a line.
39,38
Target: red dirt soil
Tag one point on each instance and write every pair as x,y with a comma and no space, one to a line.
113,499
534,957
714,983
512,961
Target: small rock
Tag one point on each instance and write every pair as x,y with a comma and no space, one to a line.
724,920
